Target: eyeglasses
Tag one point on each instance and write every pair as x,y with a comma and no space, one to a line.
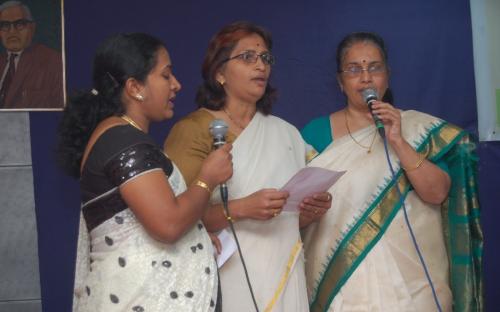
357,70
250,57
19,24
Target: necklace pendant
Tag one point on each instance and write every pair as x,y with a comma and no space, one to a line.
369,151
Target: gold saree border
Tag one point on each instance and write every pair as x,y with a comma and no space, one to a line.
372,225
286,274
310,155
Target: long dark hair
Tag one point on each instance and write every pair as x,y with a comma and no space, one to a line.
211,94
348,41
119,58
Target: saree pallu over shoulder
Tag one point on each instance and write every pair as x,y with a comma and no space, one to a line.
463,233
342,240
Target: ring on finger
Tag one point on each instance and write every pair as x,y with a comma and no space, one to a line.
328,197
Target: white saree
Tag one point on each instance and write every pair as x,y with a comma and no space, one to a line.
265,155
345,272
127,270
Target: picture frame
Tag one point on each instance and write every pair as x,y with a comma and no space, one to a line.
36,36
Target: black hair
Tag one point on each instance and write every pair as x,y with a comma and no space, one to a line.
118,58
356,37
211,94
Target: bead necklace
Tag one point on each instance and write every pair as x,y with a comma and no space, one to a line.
131,122
369,148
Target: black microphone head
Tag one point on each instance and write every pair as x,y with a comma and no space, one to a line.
218,129
369,95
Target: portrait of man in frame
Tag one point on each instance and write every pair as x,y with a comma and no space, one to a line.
31,55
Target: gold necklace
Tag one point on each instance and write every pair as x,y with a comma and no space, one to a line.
131,122
369,148
234,121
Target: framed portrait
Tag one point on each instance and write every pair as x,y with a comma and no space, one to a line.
32,71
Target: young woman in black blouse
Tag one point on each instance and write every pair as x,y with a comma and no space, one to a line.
144,247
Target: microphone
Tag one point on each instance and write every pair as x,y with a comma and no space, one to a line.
218,130
369,96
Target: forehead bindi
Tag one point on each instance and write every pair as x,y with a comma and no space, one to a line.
362,53
251,42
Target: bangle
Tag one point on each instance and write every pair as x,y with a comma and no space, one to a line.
417,165
203,185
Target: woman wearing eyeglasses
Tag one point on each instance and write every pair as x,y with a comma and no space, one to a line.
360,256
267,151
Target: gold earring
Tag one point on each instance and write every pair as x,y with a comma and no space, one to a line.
139,97
221,82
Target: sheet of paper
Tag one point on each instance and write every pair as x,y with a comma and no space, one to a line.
228,246
306,182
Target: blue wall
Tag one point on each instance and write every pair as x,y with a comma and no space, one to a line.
430,54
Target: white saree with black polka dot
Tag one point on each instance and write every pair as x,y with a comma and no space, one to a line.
121,268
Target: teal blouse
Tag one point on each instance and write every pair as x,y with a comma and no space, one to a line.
318,133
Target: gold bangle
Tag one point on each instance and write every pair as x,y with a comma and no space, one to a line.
203,185
417,165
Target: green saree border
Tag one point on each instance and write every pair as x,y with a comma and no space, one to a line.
463,233
370,227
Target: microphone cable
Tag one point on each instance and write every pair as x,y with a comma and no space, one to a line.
224,196
369,95
414,240
218,129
